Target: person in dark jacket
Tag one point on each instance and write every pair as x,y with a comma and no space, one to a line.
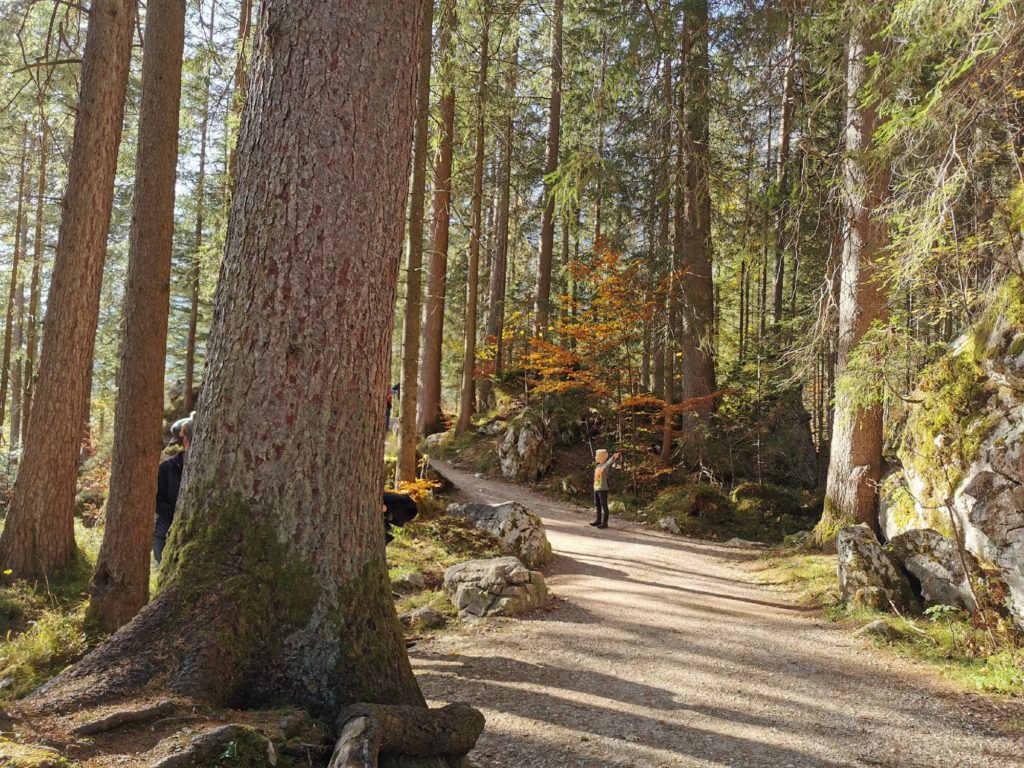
168,484
399,509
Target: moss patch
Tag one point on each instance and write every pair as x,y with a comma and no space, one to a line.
948,427
42,623
14,755
225,549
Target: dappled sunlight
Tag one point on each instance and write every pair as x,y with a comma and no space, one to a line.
663,653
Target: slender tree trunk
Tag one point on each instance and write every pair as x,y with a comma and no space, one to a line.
429,417
499,272
276,559
39,536
547,227
467,405
696,340
195,268
414,277
120,583
782,174
18,341
855,462
241,72
37,266
13,292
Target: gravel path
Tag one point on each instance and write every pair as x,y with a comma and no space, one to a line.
661,652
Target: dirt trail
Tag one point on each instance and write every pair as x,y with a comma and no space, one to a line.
661,652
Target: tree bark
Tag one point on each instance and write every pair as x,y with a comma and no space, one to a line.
39,536
547,227
499,270
414,283
782,175
429,417
467,405
120,583
32,323
13,292
18,342
855,461
696,339
241,71
276,558
195,268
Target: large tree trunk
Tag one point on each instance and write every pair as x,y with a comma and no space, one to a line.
467,405
429,417
547,227
855,461
39,536
276,559
32,323
5,372
696,338
414,278
120,584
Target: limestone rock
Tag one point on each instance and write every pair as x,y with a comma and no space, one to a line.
409,583
963,446
741,543
669,525
519,531
426,617
879,628
436,440
502,586
494,428
935,563
527,451
869,576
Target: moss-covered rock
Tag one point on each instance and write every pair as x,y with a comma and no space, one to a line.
962,450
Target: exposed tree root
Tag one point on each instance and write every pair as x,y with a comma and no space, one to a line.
367,731
124,717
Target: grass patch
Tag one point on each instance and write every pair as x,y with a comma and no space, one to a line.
42,622
983,658
756,512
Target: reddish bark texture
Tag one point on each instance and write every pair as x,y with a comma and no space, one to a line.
120,584
38,538
276,557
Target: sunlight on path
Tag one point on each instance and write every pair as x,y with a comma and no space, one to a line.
660,652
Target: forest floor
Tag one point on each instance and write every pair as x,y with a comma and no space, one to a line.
663,651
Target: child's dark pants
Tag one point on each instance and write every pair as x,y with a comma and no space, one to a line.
601,502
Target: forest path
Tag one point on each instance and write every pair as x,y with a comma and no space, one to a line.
661,651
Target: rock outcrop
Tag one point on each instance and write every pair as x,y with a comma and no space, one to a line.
962,452
870,576
527,451
519,531
935,562
499,587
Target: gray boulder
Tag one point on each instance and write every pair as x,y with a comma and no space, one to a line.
869,576
499,587
519,531
426,617
670,525
409,583
962,449
527,451
934,561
